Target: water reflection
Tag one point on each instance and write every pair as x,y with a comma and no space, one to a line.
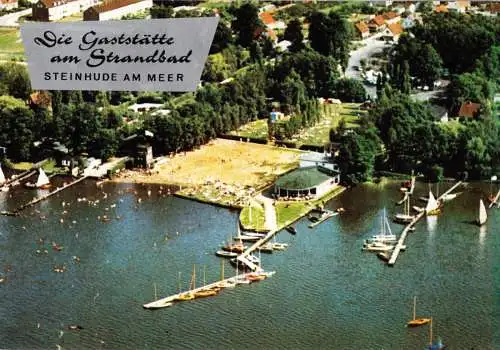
431,221
482,234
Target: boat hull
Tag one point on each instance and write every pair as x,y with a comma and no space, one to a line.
419,322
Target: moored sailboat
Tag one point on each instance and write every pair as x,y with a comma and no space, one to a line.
406,217
437,345
42,181
432,207
483,216
417,321
2,176
385,234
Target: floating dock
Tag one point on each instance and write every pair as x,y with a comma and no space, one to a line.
165,302
401,241
326,215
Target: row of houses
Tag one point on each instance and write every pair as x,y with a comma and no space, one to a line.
388,23
93,10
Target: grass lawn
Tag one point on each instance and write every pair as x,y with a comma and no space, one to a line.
183,99
332,114
22,166
256,129
256,221
73,18
10,44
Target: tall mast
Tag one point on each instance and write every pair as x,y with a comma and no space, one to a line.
414,307
154,285
430,339
179,281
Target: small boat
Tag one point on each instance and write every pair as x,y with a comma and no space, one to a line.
247,238
483,216
205,293
42,182
2,176
267,248
255,234
226,254
324,216
291,229
450,196
437,345
158,305
377,247
279,246
227,284
253,277
189,295
416,322
185,296
385,234
265,273
418,209
405,218
237,248
241,279
384,256
74,327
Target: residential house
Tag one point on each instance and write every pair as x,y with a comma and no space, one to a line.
441,8
391,17
458,6
53,10
362,30
41,99
271,34
493,8
115,9
394,30
269,21
469,110
268,8
377,24
8,4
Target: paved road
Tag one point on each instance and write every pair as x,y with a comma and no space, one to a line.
371,46
11,19
270,212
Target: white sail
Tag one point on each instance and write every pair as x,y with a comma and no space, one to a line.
432,203
42,179
2,176
482,213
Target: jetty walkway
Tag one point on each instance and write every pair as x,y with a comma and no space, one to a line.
164,301
401,241
39,199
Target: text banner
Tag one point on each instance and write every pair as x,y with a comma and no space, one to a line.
128,55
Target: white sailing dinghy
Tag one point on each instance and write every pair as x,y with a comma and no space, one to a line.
481,220
406,217
386,234
42,181
432,207
4,188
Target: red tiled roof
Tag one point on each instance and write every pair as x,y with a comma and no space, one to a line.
54,3
378,20
493,8
362,27
395,28
390,15
6,2
469,109
441,8
267,18
111,5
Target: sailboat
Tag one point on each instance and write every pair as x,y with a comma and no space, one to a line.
437,345
432,207
42,182
481,220
385,234
225,283
189,295
405,218
209,292
4,188
417,321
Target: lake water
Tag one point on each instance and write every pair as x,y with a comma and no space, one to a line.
326,293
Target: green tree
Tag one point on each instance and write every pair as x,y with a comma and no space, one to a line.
246,23
293,33
222,38
349,90
162,11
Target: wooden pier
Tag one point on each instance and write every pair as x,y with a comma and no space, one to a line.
401,241
495,200
164,302
39,199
